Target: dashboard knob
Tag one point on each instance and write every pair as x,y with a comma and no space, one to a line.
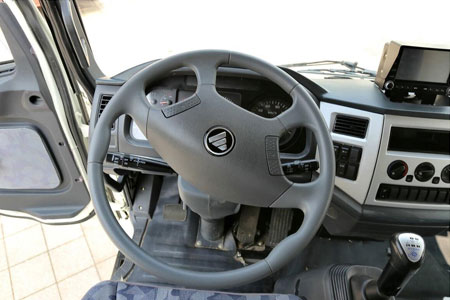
397,169
445,174
389,85
424,172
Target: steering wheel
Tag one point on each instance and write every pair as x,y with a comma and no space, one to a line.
222,150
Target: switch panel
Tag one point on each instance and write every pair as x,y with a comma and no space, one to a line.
389,192
347,160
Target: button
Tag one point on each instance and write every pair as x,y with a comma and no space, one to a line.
442,194
445,174
409,178
397,169
345,150
134,162
383,192
337,149
340,170
355,155
352,171
432,195
403,193
125,161
435,180
314,165
424,171
288,168
423,192
143,164
413,192
394,193
115,159
109,157
305,167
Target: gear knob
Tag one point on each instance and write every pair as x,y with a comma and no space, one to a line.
407,254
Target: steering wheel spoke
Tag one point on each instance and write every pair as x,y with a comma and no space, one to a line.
301,196
297,115
205,66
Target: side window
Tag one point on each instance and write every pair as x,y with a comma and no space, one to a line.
5,53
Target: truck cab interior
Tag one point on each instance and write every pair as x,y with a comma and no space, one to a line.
240,178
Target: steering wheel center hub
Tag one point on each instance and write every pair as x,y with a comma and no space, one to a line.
219,141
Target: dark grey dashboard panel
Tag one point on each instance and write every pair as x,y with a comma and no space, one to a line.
345,217
365,95
241,88
355,93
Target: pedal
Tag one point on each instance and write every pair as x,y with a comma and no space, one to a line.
248,223
280,224
174,212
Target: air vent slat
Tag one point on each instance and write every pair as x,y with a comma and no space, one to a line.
103,102
352,126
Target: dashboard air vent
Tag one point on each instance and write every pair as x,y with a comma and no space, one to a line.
351,126
103,101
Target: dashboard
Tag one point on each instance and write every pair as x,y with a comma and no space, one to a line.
262,98
378,182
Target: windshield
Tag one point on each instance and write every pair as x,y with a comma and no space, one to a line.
5,53
281,32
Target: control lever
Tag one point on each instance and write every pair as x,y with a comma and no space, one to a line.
407,254
300,166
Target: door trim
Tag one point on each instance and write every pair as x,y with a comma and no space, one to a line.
56,97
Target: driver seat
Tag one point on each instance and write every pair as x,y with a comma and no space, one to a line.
119,290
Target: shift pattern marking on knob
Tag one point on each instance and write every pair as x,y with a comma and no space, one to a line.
413,245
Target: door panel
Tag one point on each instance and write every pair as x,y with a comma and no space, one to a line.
29,165
38,174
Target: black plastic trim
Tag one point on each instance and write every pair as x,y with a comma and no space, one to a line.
365,95
346,217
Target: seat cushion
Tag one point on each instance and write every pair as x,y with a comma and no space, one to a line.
113,290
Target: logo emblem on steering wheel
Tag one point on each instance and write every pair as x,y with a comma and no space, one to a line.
219,141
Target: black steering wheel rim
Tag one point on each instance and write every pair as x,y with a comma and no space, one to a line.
162,128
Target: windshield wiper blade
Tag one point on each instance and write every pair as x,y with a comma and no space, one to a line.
352,66
338,73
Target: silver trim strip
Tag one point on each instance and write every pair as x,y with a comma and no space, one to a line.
370,144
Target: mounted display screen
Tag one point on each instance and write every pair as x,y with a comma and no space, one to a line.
424,65
419,140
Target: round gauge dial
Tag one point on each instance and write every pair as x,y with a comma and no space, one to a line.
270,108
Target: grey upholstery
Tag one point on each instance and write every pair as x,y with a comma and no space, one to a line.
25,162
113,290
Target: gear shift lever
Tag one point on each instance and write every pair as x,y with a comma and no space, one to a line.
407,253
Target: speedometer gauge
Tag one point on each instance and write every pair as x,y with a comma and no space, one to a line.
270,108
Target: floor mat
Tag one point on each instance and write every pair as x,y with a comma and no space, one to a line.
431,281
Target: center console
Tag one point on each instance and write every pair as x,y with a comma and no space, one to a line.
402,160
413,164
